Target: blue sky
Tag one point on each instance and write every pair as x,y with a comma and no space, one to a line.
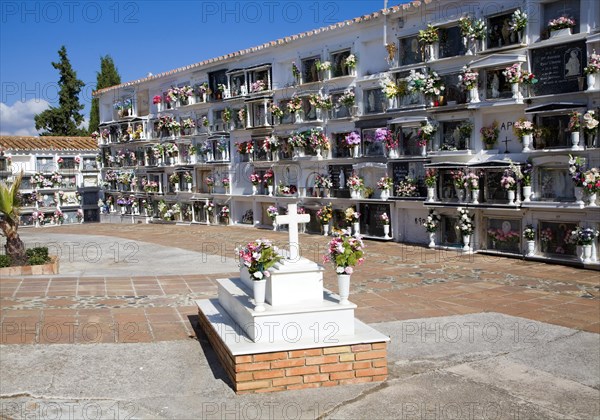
141,37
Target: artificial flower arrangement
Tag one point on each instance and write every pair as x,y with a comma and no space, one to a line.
254,178
345,252
428,35
287,189
385,183
384,135
351,215
317,139
593,66
471,181
490,134
297,140
225,212
432,222
59,216
526,173
576,170
574,122
226,115
472,28
590,123
174,178
390,88
270,144
498,235
562,22
157,99
320,101
242,113
325,214
465,222
457,178
591,181
518,21
272,212
295,71
348,98
245,147
523,127
294,104
546,235
528,78
587,236
258,257
269,177
468,78
276,111
407,188
188,123
426,132
323,66
430,177
352,139
209,181
385,219
323,181
529,233
258,86
513,74
428,84
355,182
509,180
351,61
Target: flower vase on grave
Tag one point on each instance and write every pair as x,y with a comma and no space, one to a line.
275,225
430,194
516,92
385,194
587,253
511,197
592,200
431,239
254,189
319,155
530,248
560,32
270,188
189,187
466,241
592,78
474,95
356,228
392,153
325,230
424,150
259,288
475,196
355,151
575,141
527,193
460,194
298,117
386,232
526,143
344,288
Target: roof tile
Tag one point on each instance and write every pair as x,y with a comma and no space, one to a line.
21,143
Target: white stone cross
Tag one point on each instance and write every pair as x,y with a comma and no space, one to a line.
293,219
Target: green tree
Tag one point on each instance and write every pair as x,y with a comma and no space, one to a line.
65,119
9,220
107,77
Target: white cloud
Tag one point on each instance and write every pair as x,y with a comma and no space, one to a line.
17,119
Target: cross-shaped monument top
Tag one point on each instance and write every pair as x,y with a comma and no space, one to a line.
293,219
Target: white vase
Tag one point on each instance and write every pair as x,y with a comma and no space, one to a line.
511,197
579,196
526,143
431,239
392,153
270,188
299,152
560,32
385,195
592,200
325,230
591,81
424,150
475,196
575,141
466,241
526,193
587,253
516,92
275,225
254,190
123,210
189,187
356,228
530,248
319,155
259,287
354,194
355,151
297,117
430,194
474,95
392,103
386,231
344,288
461,195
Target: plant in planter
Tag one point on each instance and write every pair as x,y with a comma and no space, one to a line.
431,225
407,188
562,22
465,226
345,252
490,134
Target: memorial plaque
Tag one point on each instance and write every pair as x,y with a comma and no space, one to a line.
339,176
559,68
400,171
370,217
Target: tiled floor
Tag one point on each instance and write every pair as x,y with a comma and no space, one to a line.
398,282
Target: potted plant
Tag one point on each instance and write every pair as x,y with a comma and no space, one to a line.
431,225
298,143
385,184
345,252
524,129
258,257
576,170
472,30
294,107
319,142
574,127
324,215
529,235
591,70
385,220
561,26
351,61
324,69
390,90
471,183
465,226
187,177
348,99
430,182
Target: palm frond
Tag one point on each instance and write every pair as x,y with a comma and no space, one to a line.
9,198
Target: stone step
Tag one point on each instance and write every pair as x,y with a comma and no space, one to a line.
239,343
285,322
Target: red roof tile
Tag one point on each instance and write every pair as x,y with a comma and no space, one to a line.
19,143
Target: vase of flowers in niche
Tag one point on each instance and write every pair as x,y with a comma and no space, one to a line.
509,183
587,237
385,184
294,107
431,225
591,71
529,236
591,185
524,129
298,143
489,135
577,176
324,69
469,79
590,128
561,26
353,142
429,38
257,258
319,142
390,90
324,216
385,136
527,172
430,183
356,185
574,127
473,33
457,180
465,226
352,218
255,181
514,76
268,179
471,183
187,177
273,212
345,252
518,23
276,113
385,220
425,133
529,80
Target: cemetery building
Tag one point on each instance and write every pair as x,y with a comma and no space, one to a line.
415,109
61,178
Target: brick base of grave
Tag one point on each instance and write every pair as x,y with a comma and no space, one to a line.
300,368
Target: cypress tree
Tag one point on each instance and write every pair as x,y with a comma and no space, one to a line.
107,77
